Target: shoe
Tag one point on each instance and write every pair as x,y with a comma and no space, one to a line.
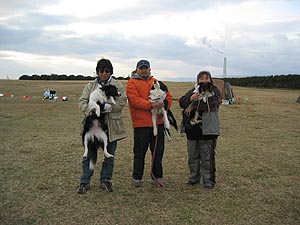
137,183
190,183
83,188
208,186
159,182
106,185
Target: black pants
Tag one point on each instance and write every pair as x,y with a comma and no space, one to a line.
143,137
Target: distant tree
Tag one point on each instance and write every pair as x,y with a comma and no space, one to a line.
63,77
45,77
80,77
24,77
72,77
291,81
35,77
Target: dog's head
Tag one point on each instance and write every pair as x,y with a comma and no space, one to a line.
156,93
110,91
203,87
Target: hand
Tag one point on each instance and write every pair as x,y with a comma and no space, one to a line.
157,105
107,107
194,97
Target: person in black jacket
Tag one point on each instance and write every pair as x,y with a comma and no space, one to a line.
200,123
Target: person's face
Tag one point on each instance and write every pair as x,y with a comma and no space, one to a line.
104,74
204,79
143,71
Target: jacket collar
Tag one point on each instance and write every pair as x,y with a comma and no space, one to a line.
101,83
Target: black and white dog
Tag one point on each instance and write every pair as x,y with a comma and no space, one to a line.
158,93
93,135
205,91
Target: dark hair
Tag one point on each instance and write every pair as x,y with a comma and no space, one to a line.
200,74
104,64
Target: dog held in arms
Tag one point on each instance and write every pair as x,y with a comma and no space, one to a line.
93,135
204,91
158,93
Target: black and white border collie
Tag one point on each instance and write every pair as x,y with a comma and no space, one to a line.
93,136
158,93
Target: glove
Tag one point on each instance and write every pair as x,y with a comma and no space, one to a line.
107,107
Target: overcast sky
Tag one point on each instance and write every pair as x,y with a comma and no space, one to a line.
179,38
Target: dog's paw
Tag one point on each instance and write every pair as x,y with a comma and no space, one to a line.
98,113
192,122
107,155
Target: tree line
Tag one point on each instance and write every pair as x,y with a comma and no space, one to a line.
290,81
62,77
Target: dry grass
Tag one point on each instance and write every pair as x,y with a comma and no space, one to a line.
257,164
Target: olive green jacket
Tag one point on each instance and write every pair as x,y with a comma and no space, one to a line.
116,127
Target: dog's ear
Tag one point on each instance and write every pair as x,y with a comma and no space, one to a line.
155,85
163,86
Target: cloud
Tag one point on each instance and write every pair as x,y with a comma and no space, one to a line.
14,7
179,38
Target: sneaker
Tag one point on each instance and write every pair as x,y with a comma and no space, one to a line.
106,185
208,186
83,188
190,183
159,182
137,183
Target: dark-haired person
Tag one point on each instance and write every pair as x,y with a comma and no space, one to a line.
112,124
201,132
138,89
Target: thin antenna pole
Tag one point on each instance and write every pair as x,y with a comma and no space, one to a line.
224,67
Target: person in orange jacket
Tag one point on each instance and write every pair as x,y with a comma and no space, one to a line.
138,88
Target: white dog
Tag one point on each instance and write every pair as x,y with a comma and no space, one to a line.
93,135
158,95
99,96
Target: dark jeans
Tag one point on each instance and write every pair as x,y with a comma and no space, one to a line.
143,138
107,165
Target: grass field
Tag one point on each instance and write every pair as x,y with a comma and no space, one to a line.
258,164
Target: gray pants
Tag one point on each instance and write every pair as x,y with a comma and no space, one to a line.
202,161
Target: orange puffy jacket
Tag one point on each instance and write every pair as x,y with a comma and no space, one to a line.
137,92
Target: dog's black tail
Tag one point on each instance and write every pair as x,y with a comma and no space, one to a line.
93,155
168,134
172,119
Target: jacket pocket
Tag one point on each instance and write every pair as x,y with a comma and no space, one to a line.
117,124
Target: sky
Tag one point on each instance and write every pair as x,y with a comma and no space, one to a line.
179,38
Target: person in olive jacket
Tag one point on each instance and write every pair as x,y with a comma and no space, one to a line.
201,125
112,124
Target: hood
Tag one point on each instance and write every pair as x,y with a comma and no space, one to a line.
136,76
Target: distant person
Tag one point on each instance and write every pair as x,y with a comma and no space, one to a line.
112,125
201,125
138,89
46,93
